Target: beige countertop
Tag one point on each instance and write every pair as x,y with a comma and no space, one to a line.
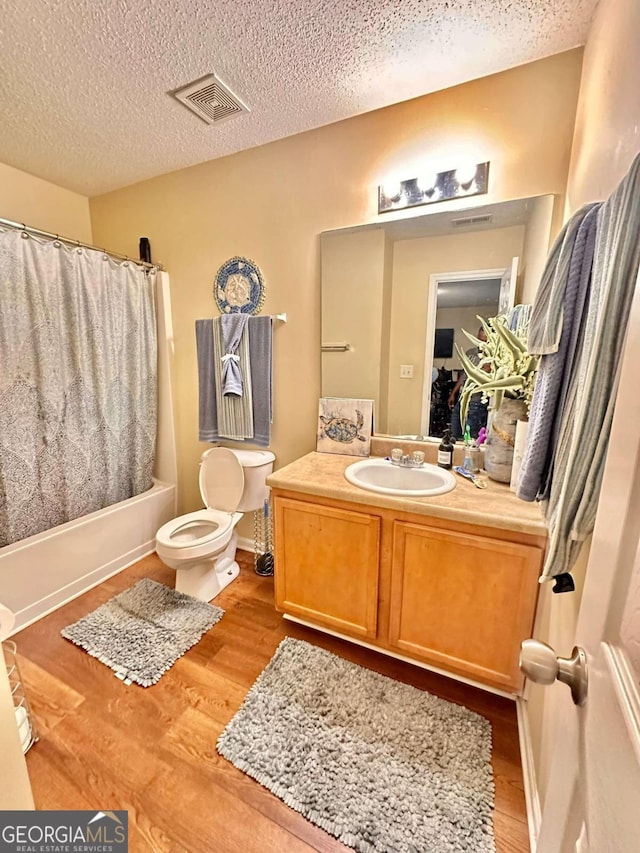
322,474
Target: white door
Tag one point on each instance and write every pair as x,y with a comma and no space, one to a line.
593,799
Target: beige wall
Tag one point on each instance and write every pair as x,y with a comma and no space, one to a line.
607,138
414,261
271,203
33,201
607,129
381,424
353,267
537,237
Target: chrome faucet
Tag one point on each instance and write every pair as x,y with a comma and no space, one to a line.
403,460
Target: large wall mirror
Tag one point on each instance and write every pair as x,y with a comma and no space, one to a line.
396,296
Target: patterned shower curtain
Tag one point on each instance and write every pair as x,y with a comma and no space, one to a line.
78,383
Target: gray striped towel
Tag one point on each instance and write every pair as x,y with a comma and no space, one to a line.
235,414
585,422
260,337
556,369
233,326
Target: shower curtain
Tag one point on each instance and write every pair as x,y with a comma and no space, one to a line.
78,383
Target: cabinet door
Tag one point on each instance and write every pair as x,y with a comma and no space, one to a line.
327,565
463,602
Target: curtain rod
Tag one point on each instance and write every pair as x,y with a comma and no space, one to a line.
19,226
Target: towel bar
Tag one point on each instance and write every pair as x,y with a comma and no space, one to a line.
336,347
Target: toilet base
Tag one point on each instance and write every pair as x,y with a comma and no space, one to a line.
207,579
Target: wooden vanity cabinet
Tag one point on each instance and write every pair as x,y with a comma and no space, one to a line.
461,601
328,565
455,596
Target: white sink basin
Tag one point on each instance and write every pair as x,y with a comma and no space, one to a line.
380,475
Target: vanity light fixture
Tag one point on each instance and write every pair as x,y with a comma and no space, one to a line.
434,187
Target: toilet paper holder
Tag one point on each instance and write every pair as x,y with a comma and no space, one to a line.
24,716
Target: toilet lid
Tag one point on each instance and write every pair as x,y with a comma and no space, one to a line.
221,479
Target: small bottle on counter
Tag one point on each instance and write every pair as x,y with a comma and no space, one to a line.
445,451
467,447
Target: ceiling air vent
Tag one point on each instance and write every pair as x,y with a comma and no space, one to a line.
472,220
210,100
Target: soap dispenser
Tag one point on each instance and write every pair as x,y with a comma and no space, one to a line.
445,451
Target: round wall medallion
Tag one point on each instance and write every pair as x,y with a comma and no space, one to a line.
239,287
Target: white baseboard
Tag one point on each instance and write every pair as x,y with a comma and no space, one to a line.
49,603
531,793
246,544
67,593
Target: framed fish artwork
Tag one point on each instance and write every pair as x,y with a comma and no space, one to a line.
344,426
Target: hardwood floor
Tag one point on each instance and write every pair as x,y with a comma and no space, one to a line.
104,745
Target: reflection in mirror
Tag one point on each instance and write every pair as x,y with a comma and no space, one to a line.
459,304
396,296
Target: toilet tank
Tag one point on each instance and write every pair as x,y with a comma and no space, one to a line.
256,465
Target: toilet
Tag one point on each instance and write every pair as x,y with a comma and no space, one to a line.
201,546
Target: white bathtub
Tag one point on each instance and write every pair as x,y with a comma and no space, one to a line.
44,571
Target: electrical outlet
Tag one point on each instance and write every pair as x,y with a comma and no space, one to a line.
406,371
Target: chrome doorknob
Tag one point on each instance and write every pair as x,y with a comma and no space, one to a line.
540,663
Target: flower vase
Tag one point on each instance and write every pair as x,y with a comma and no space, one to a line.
499,446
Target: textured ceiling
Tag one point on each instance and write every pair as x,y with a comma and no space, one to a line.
83,83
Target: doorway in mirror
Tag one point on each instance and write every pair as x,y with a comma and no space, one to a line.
459,299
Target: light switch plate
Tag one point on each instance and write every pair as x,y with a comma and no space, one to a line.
406,371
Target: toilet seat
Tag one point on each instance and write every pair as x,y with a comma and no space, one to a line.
207,531
179,537
221,479
201,546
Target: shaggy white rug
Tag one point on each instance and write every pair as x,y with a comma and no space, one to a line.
141,632
380,765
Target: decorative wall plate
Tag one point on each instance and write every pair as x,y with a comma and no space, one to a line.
238,287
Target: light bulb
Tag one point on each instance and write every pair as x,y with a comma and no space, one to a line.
466,173
427,182
391,189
